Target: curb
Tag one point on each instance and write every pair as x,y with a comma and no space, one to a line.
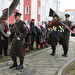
62,68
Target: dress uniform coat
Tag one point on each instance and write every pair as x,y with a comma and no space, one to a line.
55,35
65,39
17,42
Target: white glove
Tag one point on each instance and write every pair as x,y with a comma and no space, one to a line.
9,33
18,38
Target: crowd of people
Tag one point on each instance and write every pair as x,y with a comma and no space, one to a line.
26,36
36,36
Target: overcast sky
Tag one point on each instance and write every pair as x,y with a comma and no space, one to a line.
4,4
64,4
67,4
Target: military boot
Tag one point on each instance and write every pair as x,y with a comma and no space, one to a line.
13,66
19,67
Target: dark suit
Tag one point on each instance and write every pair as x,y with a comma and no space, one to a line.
38,37
33,34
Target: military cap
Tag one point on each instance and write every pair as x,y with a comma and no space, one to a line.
67,15
17,14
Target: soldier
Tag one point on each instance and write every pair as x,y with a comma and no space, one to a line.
54,33
66,34
17,49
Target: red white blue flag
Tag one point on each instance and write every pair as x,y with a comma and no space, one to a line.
68,28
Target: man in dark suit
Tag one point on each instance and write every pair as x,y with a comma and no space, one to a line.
33,33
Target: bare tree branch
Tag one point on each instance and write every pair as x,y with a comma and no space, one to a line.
11,9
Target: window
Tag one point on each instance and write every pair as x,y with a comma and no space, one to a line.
26,10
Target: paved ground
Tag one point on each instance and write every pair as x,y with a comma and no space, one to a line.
41,62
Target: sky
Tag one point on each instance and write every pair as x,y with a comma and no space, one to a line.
64,4
67,4
4,4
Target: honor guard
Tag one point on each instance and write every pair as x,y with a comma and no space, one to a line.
66,34
17,49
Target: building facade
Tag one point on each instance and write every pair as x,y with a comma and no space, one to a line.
35,9
45,8
31,10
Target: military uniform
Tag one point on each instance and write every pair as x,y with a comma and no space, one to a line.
65,38
54,35
17,43
61,37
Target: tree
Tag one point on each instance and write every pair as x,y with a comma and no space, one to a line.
11,9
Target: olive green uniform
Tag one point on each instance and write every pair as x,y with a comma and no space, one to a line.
17,42
65,38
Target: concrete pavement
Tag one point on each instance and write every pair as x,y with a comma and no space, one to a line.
41,62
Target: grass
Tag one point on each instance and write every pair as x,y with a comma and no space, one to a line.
70,70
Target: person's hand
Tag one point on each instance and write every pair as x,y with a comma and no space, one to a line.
6,35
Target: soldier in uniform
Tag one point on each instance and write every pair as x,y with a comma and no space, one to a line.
66,34
54,33
17,49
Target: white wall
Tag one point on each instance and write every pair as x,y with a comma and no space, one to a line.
45,7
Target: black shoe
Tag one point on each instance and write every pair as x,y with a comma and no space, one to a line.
13,66
19,67
53,54
65,55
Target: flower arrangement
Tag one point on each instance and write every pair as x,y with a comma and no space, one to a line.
56,25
